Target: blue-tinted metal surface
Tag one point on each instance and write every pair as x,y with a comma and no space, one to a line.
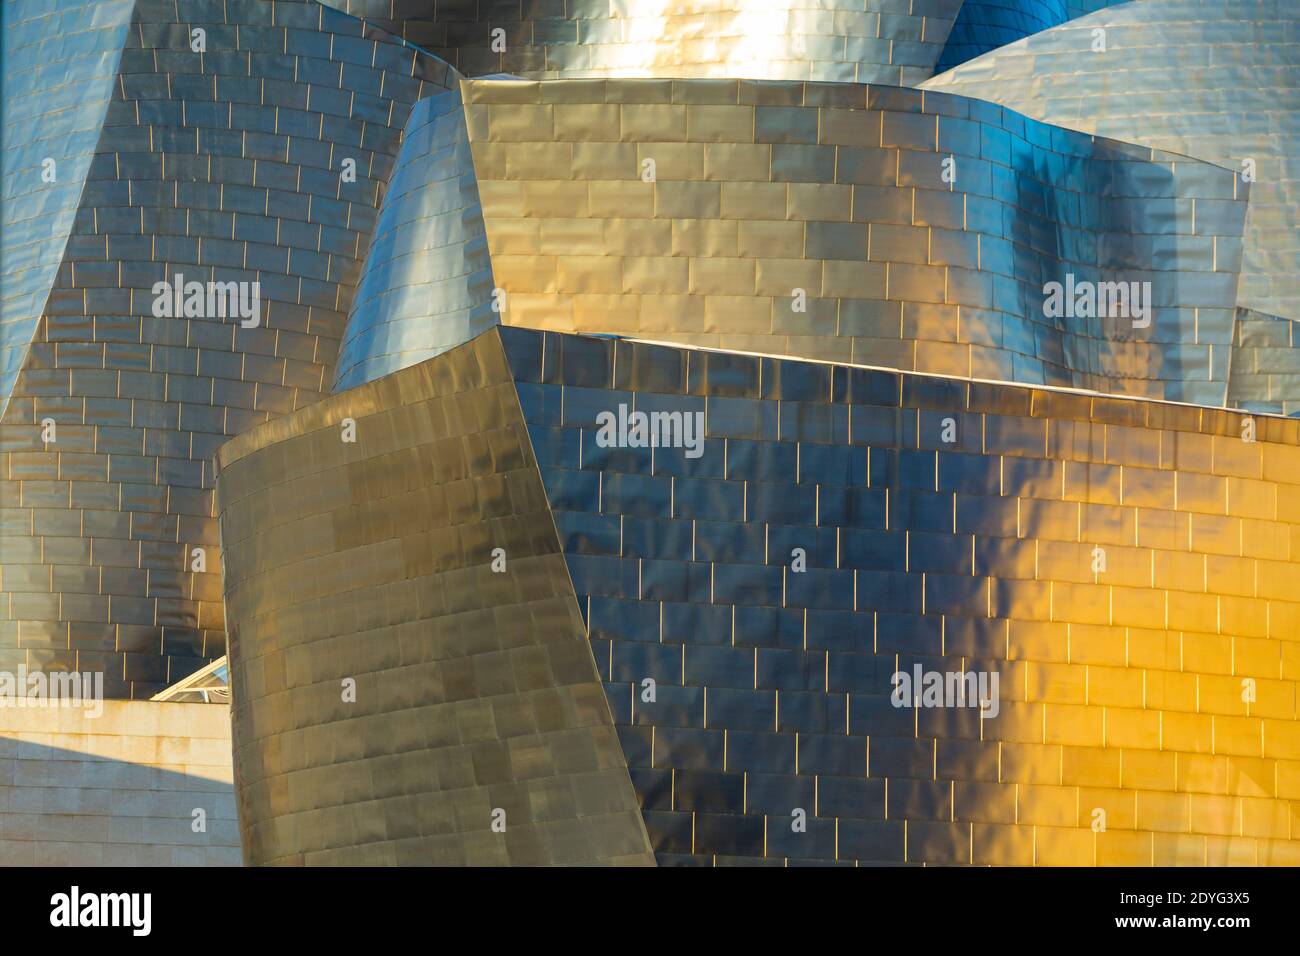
224,156
1265,375
427,284
984,25
748,686
908,268
59,63
865,41
1214,79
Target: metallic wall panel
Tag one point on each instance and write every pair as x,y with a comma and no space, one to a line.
475,688
223,165
1157,684
427,284
764,193
1265,364
765,188
984,25
1079,8
1215,79
864,41
59,63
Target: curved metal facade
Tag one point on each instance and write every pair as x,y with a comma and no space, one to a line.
864,41
698,387
59,64
1214,79
984,25
816,220
1125,568
1265,374
222,165
476,732
427,284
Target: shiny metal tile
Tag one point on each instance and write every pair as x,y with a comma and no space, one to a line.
1213,79
475,692
863,41
706,214
224,166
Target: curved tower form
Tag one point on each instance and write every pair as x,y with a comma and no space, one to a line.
834,221
232,168
864,41
60,62
984,25
1214,79
479,732
664,500
427,283
1101,576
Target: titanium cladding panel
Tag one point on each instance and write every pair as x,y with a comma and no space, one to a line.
984,25
864,41
1214,79
811,220
1265,373
467,625
1120,678
222,165
59,64
476,703
1125,569
427,284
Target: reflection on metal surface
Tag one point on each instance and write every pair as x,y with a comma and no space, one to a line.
1214,79
864,41
427,284
59,65
219,166
984,25
1265,374
403,693
514,594
1125,567
818,220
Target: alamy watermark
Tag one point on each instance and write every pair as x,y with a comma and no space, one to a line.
208,300
631,429
24,688
74,908
1098,300
925,689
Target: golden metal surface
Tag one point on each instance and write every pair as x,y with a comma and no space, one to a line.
805,219
224,166
475,689
1155,693
864,41
446,592
1214,79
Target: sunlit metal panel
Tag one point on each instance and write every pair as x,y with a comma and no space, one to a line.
1214,79
242,151
864,41
833,221
403,635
